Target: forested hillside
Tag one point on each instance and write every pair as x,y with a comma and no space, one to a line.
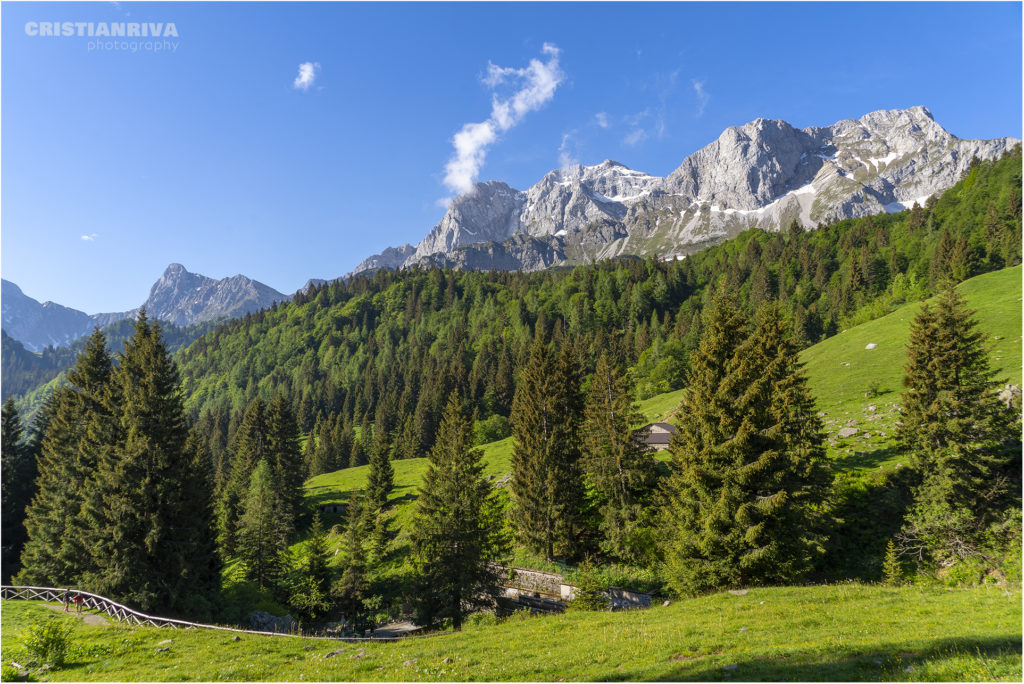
395,343
32,377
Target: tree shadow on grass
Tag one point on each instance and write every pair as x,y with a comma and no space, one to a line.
884,662
864,460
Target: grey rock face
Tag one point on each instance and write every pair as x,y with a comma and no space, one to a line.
184,298
179,297
762,174
38,326
489,213
391,258
520,252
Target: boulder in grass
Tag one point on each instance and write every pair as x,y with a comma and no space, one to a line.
848,432
871,346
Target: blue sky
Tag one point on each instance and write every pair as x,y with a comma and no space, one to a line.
215,154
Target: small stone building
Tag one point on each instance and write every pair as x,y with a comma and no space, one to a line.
657,435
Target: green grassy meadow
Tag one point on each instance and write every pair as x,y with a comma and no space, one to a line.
846,632
840,369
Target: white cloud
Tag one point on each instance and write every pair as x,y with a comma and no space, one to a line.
307,74
536,85
91,237
702,96
635,138
601,119
565,156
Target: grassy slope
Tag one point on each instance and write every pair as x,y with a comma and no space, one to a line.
840,368
840,632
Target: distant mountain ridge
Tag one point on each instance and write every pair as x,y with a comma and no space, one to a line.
178,296
765,174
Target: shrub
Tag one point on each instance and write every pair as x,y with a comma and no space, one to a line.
9,673
892,569
589,593
874,389
48,642
480,620
492,429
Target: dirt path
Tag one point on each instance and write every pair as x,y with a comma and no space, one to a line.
87,617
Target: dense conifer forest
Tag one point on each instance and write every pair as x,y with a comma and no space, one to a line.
406,340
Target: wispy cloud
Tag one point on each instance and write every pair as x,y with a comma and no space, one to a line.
90,237
601,119
635,138
702,96
636,122
307,74
534,85
565,156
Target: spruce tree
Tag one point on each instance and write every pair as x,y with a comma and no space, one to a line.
248,448
55,553
547,476
381,478
618,463
744,501
457,534
352,586
533,427
262,539
196,522
285,458
961,441
153,559
310,592
19,474
565,476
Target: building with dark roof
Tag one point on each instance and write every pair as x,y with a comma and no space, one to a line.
657,435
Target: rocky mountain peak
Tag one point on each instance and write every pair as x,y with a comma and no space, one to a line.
178,296
763,173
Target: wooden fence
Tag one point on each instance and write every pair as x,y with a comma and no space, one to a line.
126,614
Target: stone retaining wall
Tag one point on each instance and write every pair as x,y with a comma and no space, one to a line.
524,581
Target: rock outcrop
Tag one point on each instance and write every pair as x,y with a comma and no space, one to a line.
178,297
763,174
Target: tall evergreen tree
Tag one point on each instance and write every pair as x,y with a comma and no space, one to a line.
55,553
248,448
311,590
547,486
962,442
743,503
457,532
618,463
19,475
196,523
352,585
381,478
262,539
285,458
152,560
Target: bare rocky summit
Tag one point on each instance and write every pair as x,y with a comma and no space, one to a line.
763,174
178,297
